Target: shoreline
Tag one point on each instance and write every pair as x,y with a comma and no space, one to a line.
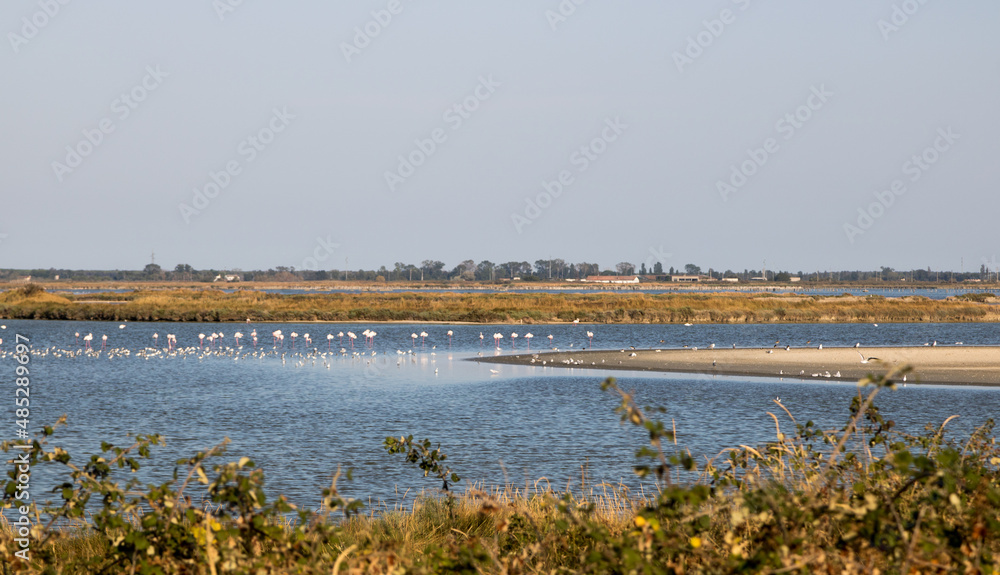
941,365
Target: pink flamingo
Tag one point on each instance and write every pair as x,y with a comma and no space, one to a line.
496,338
352,337
254,336
201,341
156,339
294,335
237,335
77,334
513,340
341,336
481,339
423,335
413,337
450,333
86,340
590,336
329,341
104,342
527,338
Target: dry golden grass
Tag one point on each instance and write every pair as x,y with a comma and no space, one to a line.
215,305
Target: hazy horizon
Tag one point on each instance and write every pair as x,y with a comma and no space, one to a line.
226,134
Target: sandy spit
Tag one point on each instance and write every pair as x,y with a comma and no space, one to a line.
951,365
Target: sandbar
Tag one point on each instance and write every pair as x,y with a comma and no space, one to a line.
949,365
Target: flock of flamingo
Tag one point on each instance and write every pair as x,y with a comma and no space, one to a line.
249,346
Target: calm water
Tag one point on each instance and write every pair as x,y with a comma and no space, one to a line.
302,417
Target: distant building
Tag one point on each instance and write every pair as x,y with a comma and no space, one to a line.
795,279
731,280
613,279
685,279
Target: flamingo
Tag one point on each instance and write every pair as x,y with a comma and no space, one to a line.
104,342
527,337
450,333
122,326
590,336
171,341
201,340
294,335
353,337
237,335
550,339
341,336
329,341
156,339
480,339
513,340
254,336
86,340
423,335
371,337
77,335
413,337
496,338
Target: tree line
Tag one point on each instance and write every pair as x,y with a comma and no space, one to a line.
487,271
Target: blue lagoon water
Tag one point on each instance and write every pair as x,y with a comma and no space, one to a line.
299,413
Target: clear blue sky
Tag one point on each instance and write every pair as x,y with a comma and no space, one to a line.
644,109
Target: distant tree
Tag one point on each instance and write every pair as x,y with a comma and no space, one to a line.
485,271
642,269
658,268
672,270
692,270
153,271
625,268
782,277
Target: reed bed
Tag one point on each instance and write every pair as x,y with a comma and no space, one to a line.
216,306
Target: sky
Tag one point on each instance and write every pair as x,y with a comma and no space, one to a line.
244,134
